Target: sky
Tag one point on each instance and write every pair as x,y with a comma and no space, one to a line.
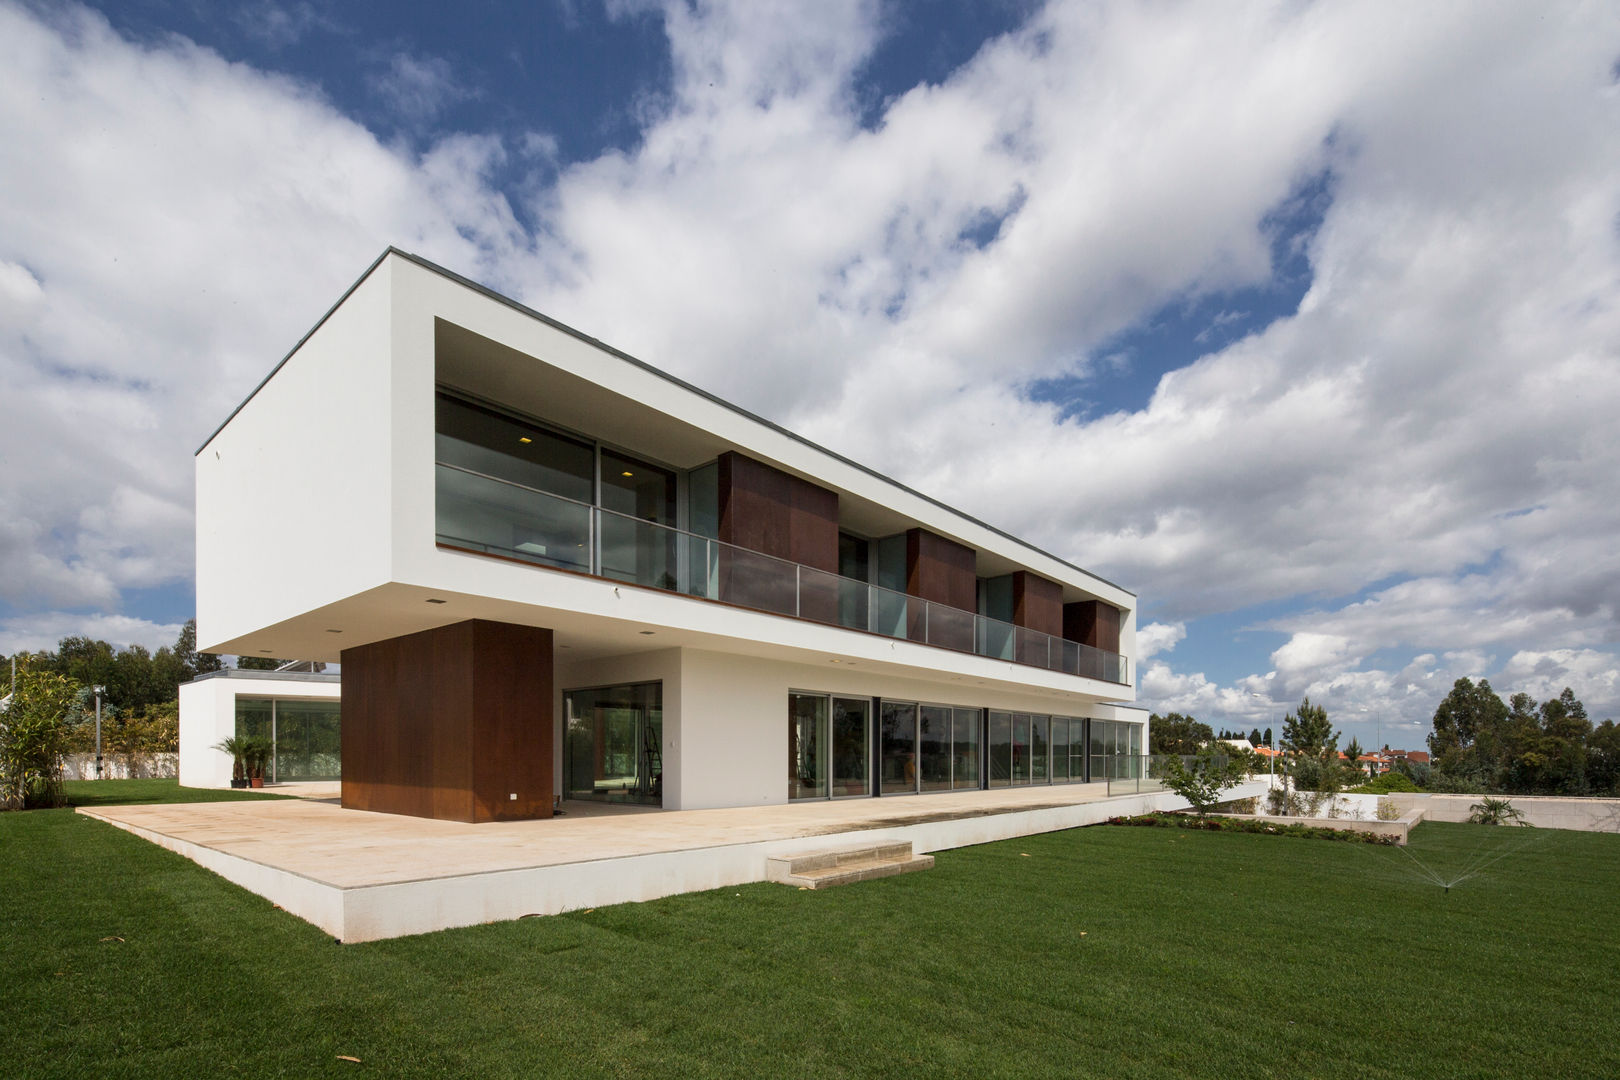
1301,321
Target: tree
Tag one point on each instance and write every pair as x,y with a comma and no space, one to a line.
1176,734
1306,731
1352,759
1268,738
1603,759
258,663
1202,785
33,737
192,662
1470,727
1254,738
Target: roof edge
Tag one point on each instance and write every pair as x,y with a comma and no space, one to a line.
484,290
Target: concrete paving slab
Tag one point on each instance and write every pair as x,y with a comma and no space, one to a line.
363,876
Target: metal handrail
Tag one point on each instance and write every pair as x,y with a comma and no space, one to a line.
1016,644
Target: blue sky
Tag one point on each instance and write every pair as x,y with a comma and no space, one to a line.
1299,321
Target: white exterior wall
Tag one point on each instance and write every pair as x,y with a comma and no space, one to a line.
208,714
293,493
725,721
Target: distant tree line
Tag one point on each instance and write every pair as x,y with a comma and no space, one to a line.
1480,744
140,705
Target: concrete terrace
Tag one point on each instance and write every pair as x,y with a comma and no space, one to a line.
364,876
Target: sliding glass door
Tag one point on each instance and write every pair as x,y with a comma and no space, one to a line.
829,740
613,749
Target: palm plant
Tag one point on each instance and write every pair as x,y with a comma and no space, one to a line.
237,747
256,752
1496,812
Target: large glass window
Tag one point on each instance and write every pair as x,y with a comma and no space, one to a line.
1000,749
829,746
935,747
1101,736
851,746
1020,752
305,736
1077,748
614,744
965,749
513,488
807,746
1060,749
1039,748
488,442
638,541
897,748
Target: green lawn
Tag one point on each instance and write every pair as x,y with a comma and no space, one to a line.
1110,952
124,792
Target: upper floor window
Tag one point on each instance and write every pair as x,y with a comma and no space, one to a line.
486,442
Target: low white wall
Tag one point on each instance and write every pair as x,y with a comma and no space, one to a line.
1542,811
122,766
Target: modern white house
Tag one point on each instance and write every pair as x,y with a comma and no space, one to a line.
550,570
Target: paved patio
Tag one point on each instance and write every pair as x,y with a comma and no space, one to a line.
363,876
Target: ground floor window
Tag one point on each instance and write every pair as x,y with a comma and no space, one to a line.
613,743
1027,748
304,736
924,747
828,741
1116,749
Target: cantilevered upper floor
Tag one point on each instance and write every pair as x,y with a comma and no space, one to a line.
432,452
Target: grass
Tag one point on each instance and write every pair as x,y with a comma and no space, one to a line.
125,792
1097,952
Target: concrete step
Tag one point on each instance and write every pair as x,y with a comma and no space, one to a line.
845,866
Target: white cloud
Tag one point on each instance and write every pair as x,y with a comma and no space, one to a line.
1156,638
42,630
1421,461
420,87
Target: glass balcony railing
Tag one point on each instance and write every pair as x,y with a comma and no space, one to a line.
482,513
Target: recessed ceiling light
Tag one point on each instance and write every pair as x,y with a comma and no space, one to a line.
647,633
329,630
627,472
524,438
265,652
435,600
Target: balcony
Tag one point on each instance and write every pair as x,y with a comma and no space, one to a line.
477,512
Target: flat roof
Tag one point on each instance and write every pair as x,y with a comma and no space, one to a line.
660,373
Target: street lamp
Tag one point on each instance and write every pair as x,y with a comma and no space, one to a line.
99,690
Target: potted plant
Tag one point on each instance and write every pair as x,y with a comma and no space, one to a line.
236,746
256,754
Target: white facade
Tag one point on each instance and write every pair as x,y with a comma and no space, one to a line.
325,477
208,707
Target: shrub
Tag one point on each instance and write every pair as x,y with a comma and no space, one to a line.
1387,810
1388,782
1496,812
33,738
1253,825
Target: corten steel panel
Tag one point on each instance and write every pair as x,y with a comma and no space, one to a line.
1037,603
437,723
766,510
1092,622
943,571
512,729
